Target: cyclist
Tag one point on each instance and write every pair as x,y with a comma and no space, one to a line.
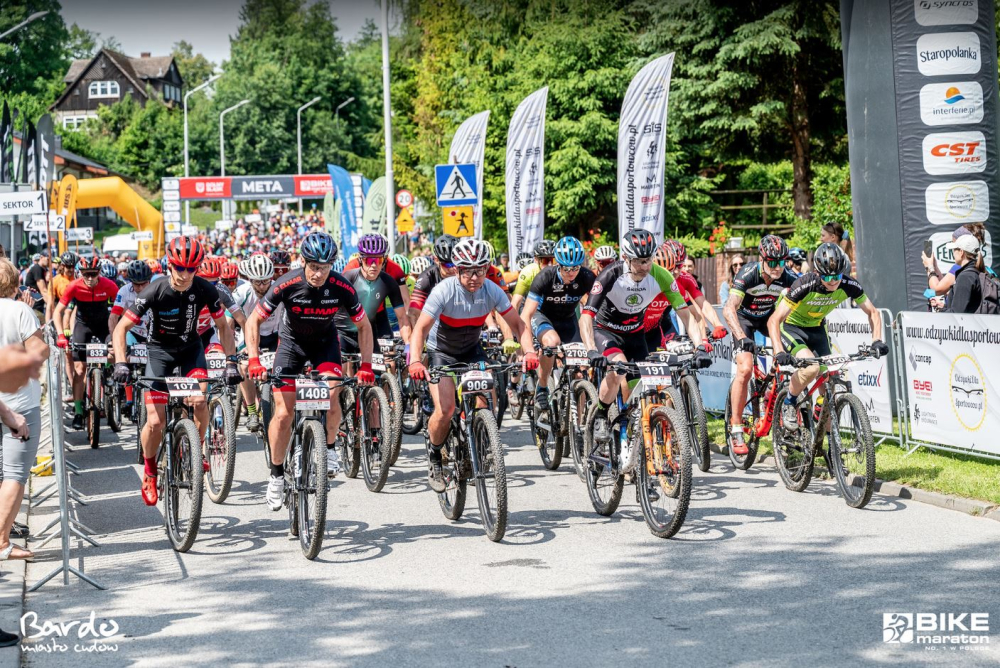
418,265
93,295
311,296
752,298
797,262
229,276
281,261
450,323
138,275
374,286
798,325
551,308
259,271
604,256
613,315
65,276
545,256
390,267
109,270
705,312
442,268
211,270
173,343
156,268
523,260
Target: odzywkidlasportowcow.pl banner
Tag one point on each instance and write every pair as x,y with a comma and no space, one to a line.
525,174
468,146
343,188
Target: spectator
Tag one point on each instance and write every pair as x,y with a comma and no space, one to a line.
735,264
37,279
939,284
967,295
836,234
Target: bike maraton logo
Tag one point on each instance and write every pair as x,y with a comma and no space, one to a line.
963,630
968,395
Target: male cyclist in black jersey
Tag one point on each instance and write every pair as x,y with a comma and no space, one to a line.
755,291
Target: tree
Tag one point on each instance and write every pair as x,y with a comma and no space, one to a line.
111,43
81,44
35,53
195,68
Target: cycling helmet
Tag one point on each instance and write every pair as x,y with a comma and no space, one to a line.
444,246
280,258
109,270
230,271
605,254
402,261
338,265
523,260
773,247
569,252
92,263
23,262
829,259
185,252
164,263
664,257
420,264
69,259
319,247
471,252
138,271
544,248
373,245
797,255
210,269
639,244
154,266
680,253
257,267
489,247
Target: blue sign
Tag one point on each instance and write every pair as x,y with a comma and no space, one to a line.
456,185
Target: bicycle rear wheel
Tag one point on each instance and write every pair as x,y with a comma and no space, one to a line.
94,404
412,419
311,500
373,443
749,421
697,421
113,406
266,411
605,481
663,486
491,480
221,444
349,453
183,486
583,396
852,450
394,398
793,452
452,499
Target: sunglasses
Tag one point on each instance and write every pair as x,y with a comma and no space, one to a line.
448,265
90,274
737,265
830,278
477,272
569,270
265,282
139,287
371,260
186,270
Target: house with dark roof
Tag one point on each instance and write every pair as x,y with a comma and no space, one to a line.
108,77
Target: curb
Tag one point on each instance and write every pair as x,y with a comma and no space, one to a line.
958,503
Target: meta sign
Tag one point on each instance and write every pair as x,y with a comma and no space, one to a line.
247,187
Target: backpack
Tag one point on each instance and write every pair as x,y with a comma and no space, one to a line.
990,288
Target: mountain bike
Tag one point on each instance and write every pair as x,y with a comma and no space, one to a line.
265,394
365,432
680,354
758,414
387,365
220,437
473,450
558,429
98,380
837,411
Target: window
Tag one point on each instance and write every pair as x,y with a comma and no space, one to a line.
104,89
171,92
74,122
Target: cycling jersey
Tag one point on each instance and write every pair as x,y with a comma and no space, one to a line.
245,299
310,311
618,303
556,298
526,278
758,298
174,323
432,276
811,302
688,286
92,304
391,268
205,320
459,315
125,299
372,295
59,284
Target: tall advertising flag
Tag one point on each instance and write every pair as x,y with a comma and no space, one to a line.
343,187
525,174
332,223
45,166
641,149
27,152
469,147
373,219
6,146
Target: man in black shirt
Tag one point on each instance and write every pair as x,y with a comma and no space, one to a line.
38,278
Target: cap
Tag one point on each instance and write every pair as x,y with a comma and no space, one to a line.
967,243
963,230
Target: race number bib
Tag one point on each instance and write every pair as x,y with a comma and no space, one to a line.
655,376
576,354
216,364
312,395
267,360
378,362
477,382
97,353
138,354
183,387
387,345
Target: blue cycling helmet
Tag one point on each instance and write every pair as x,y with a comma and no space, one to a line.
339,264
138,272
109,270
569,252
319,247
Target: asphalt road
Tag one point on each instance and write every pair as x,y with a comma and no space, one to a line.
757,576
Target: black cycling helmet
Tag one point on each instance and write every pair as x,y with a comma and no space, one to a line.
545,248
319,247
280,258
69,259
444,246
773,247
829,260
797,255
639,244
138,272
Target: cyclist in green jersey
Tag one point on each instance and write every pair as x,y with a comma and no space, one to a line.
798,325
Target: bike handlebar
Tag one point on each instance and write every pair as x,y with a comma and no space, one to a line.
434,374
864,352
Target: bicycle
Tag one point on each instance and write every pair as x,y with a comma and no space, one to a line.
761,390
391,355
98,379
265,394
568,404
180,466
220,437
646,444
473,450
795,451
685,381
363,445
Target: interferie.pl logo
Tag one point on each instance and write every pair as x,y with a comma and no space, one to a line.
965,630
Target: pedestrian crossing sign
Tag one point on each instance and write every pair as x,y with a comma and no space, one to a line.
458,221
456,185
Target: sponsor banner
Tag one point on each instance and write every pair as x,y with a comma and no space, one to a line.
171,184
258,187
206,187
171,206
189,230
328,214
6,146
172,216
948,54
343,186
469,147
172,227
870,379
715,380
956,203
951,103
946,12
248,187
951,372
954,153
373,218
642,134
940,241
45,161
313,185
525,174
171,196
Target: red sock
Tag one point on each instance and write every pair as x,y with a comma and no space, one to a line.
128,393
150,466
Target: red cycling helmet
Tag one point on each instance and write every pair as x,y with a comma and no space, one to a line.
154,266
230,271
210,269
185,252
677,248
92,263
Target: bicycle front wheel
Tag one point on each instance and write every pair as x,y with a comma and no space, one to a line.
605,481
113,406
373,443
793,451
221,444
394,398
491,479
583,396
182,491
312,490
412,418
749,424
664,482
852,450
697,422
543,428
94,404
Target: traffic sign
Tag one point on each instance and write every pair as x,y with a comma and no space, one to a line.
141,236
458,221
404,198
456,185
23,204
404,221
80,234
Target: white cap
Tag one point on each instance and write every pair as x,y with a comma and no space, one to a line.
967,243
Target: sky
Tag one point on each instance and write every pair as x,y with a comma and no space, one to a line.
155,26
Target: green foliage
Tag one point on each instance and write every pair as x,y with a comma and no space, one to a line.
81,43
34,54
195,68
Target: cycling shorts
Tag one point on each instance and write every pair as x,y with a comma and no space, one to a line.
753,326
474,356
632,346
268,342
568,329
189,362
83,333
349,340
291,357
795,338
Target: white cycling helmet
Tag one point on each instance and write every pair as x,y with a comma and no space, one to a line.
492,252
470,253
605,253
257,267
419,265
122,267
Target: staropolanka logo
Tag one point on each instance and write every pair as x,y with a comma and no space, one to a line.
954,153
955,103
948,53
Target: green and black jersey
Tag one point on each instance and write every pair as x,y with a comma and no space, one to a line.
811,302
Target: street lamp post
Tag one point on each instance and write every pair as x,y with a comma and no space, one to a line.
222,135
298,117
33,17
340,106
187,172
390,187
